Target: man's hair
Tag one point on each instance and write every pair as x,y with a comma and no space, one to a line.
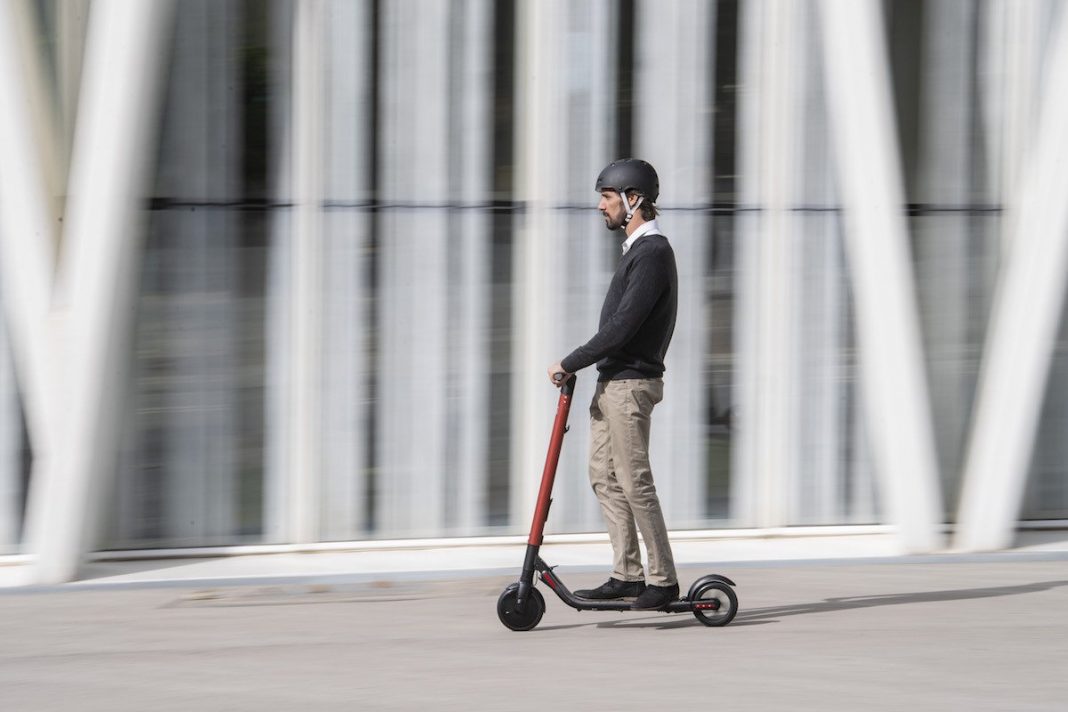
648,208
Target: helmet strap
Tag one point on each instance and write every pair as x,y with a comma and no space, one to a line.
627,206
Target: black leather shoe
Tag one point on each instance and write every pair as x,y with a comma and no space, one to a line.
653,598
614,588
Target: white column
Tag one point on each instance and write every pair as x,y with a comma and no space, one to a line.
28,229
674,134
869,178
822,388
1010,73
414,254
832,487
305,421
563,257
591,253
116,119
71,17
278,342
278,360
1023,325
539,239
470,128
346,225
769,360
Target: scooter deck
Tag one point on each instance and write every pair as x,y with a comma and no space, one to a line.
681,605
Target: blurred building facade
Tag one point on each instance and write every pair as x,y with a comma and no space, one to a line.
368,227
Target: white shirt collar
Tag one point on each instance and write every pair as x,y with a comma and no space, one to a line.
647,228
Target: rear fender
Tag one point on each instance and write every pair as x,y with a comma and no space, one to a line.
707,579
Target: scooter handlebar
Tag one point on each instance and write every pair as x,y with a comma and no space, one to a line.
568,387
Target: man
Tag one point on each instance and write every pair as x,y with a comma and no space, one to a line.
637,321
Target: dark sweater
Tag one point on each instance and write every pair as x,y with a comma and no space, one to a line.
638,316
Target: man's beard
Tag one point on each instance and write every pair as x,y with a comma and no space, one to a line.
611,223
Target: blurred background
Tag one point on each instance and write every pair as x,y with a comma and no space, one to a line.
360,248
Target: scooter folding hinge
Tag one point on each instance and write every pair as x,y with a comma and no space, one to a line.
548,570
546,576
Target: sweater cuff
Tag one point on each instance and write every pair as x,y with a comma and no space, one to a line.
569,364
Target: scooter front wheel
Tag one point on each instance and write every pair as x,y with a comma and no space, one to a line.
514,619
714,603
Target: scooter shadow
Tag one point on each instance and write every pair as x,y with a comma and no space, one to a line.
763,616
850,603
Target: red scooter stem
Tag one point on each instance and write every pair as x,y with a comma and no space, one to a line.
548,475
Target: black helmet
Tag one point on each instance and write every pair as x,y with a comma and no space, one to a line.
630,174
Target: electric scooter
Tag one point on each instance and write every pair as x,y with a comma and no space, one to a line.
711,598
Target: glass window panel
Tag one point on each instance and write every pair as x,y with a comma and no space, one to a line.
194,467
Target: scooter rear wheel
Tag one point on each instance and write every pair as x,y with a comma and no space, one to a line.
526,619
715,604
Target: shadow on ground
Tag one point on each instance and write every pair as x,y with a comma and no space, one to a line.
849,603
763,616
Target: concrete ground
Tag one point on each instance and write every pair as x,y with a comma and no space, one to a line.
938,633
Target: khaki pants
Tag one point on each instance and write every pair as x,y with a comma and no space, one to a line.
623,481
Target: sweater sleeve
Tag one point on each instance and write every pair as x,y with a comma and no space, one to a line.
647,278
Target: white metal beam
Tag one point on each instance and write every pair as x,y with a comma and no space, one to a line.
539,239
674,134
112,145
1023,325
893,383
768,456
71,17
306,306
415,296
27,227
346,234
28,232
467,454
563,256
1010,71
587,140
